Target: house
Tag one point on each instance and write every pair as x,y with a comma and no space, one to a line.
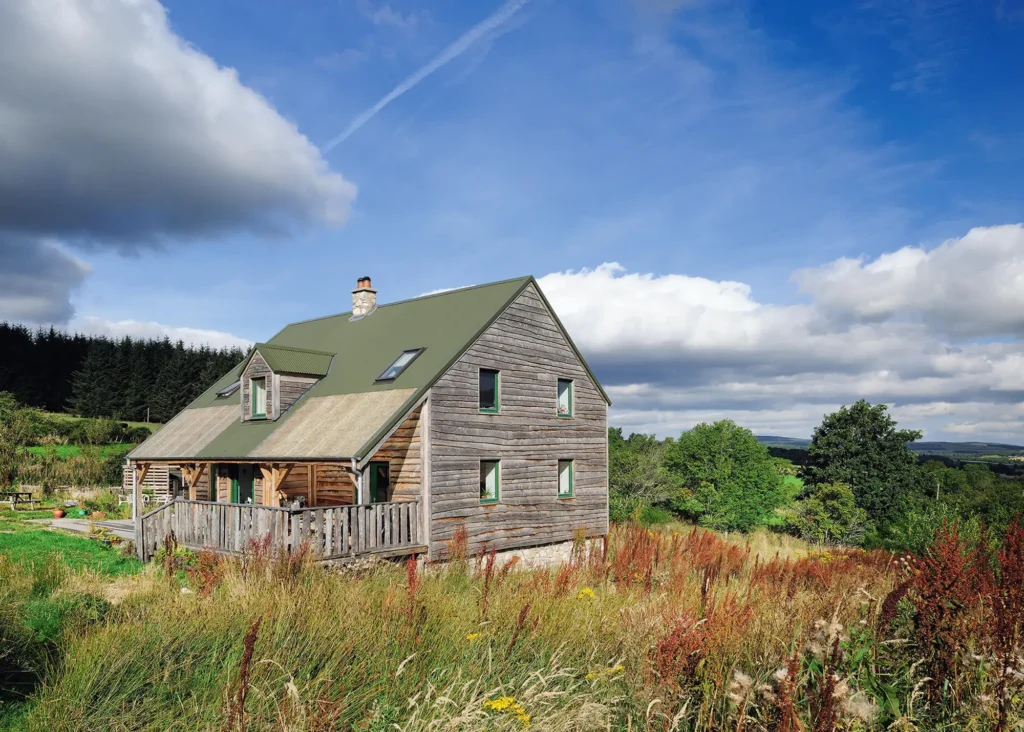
387,428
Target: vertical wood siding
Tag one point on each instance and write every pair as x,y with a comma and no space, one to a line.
527,347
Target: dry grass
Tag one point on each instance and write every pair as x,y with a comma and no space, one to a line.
674,629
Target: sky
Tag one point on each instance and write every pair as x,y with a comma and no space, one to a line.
749,210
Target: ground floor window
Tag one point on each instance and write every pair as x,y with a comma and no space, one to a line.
565,476
490,479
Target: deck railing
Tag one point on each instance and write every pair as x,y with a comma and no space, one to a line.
332,532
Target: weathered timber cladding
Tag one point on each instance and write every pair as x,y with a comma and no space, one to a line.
402,452
203,486
291,387
255,369
526,435
335,484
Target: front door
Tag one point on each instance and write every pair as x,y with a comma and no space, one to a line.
244,484
380,482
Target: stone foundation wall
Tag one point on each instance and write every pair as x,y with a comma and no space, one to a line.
548,555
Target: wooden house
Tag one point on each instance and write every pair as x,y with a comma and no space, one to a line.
387,428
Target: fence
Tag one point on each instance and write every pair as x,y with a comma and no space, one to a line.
332,532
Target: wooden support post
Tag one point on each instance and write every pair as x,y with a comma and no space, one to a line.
137,515
192,476
269,485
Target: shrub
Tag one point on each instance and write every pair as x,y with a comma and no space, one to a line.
829,515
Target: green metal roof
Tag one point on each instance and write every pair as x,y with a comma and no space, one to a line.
285,360
358,351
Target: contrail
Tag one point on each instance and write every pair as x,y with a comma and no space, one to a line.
456,49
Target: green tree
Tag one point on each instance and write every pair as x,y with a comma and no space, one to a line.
727,479
861,447
635,466
828,515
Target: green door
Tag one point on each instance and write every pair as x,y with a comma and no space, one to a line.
380,482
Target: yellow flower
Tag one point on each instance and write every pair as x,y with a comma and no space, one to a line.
509,705
473,636
605,673
585,593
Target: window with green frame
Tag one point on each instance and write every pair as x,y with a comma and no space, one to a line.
565,478
565,398
258,392
490,481
490,391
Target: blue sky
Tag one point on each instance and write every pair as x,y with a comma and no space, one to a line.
696,144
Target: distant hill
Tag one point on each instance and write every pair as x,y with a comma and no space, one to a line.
933,448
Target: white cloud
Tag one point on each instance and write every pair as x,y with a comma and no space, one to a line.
92,325
903,330
968,287
117,130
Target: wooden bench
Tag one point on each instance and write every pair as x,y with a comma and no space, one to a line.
16,497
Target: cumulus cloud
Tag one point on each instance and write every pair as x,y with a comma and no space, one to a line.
91,325
116,131
37,278
967,287
915,328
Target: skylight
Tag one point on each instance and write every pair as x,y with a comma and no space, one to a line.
229,389
395,369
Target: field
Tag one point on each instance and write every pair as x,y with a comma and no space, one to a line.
62,417
66,451
674,629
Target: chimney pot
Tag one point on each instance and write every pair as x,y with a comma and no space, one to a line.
364,298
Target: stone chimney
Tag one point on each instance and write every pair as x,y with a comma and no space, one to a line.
364,298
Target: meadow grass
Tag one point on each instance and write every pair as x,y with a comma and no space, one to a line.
66,451
671,629
25,542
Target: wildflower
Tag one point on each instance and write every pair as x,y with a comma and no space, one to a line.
605,673
508,705
739,687
861,707
585,594
473,637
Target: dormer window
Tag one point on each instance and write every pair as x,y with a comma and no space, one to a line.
399,365
258,389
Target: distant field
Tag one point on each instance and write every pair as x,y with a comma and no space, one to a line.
151,426
979,450
66,451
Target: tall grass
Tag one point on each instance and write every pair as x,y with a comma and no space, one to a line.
675,629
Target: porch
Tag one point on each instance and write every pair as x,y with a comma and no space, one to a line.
331,532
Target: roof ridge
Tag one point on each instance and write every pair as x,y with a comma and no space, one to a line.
412,299
256,346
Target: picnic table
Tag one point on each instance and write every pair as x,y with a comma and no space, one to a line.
16,497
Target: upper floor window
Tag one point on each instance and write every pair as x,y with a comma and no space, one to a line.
258,388
393,371
489,390
565,405
490,479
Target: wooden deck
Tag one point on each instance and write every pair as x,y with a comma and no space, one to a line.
332,533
